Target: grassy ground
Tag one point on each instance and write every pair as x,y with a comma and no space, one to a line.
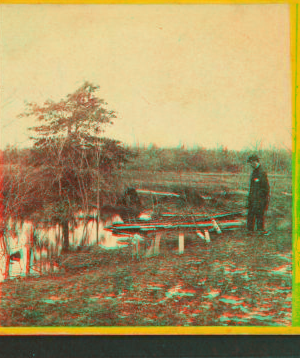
237,279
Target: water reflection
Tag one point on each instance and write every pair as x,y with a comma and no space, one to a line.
29,249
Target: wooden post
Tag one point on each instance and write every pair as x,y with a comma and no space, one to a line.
157,242
133,247
137,244
181,243
216,226
207,237
150,250
199,233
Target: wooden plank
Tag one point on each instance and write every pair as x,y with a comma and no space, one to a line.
204,215
175,225
152,192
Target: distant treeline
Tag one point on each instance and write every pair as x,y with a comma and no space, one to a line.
204,160
207,160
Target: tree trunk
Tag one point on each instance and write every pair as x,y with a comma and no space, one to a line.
65,231
28,257
97,228
29,246
7,266
98,210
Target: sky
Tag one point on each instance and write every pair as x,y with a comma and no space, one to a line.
193,75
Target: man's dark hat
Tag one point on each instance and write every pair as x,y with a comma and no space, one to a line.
253,158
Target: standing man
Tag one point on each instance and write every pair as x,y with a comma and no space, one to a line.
259,194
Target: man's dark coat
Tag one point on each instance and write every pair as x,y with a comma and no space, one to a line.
258,198
259,189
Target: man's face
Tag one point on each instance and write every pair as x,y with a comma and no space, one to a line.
253,164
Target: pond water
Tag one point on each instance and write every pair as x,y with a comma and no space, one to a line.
36,246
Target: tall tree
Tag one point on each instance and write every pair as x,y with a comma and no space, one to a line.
81,114
71,153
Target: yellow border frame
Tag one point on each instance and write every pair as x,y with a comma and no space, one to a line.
245,330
